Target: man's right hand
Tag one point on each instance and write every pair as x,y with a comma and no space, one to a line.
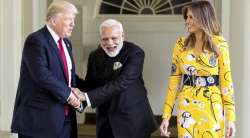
74,101
80,95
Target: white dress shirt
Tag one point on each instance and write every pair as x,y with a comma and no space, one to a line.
68,59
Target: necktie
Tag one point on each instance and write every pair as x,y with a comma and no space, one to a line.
62,53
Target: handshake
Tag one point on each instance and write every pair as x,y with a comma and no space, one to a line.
76,98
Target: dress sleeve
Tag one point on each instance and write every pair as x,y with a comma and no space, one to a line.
174,80
226,84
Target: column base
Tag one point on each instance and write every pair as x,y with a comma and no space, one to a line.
5,134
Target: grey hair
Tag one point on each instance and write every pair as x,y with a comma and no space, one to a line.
111,23
60,7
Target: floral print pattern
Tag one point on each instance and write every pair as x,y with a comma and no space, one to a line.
202,108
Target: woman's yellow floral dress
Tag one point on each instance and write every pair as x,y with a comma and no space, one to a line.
205,94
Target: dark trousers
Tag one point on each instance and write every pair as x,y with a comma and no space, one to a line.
66,132
23,136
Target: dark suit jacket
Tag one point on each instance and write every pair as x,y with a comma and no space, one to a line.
116,88
42,89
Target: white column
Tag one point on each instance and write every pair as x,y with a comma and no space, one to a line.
33,15
246,79
240,42
10,52
39,13
225,18
17,19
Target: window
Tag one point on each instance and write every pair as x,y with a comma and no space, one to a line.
142,7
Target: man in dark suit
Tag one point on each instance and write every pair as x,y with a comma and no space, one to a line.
115,86
45,105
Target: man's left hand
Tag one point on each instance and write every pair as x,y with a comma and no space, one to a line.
80,95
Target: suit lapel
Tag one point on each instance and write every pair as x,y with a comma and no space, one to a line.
69,48
55,48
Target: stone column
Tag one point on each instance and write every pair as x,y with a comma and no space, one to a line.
18,18
10,53
240,55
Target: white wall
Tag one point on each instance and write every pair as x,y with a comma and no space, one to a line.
240,42
33,16
158,45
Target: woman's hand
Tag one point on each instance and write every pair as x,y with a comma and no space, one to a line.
164,128
230,130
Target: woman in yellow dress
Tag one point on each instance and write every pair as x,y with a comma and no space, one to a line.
201,79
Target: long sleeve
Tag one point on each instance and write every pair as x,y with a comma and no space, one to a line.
131,72
226,83
174,80
36,58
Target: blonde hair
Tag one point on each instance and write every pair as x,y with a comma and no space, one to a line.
204,15
58,7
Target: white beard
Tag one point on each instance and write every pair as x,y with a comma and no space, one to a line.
116,52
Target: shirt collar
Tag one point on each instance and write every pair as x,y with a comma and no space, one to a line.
53,34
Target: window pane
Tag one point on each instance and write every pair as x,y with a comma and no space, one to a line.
145,7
